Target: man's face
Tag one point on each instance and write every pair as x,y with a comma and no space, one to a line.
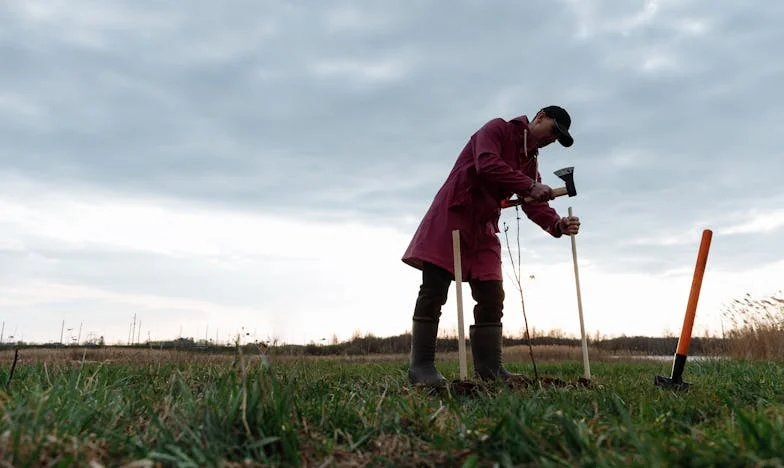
544,130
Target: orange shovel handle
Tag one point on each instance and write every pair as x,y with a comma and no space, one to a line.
694,295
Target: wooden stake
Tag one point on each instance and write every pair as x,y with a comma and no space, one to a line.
586,363
461,347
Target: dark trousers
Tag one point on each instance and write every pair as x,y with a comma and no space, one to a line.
489,296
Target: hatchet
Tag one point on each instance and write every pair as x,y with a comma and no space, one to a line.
566,174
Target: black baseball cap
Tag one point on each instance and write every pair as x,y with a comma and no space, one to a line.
562,124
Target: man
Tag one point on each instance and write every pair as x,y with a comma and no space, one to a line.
499,160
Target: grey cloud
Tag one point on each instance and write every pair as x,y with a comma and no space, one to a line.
307,109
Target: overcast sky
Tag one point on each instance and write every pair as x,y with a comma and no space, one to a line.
263,164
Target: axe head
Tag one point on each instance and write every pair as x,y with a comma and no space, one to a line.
567,175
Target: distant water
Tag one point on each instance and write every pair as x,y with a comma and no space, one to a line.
669,357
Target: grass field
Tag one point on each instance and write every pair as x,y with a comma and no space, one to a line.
159,409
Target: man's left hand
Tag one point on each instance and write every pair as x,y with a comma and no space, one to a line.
569,225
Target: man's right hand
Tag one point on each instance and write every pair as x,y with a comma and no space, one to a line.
541,192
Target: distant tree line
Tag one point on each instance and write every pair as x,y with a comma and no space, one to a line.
757,329
401,344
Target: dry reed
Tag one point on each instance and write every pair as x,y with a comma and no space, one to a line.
757,330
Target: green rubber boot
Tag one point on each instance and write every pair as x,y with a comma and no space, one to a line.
487,351
422,369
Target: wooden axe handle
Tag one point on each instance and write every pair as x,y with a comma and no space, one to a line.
557,192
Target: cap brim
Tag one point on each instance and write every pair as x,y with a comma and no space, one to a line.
564,137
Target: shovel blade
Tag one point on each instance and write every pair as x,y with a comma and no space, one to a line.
670,384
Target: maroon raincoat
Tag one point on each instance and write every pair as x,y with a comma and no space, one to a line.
494,165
